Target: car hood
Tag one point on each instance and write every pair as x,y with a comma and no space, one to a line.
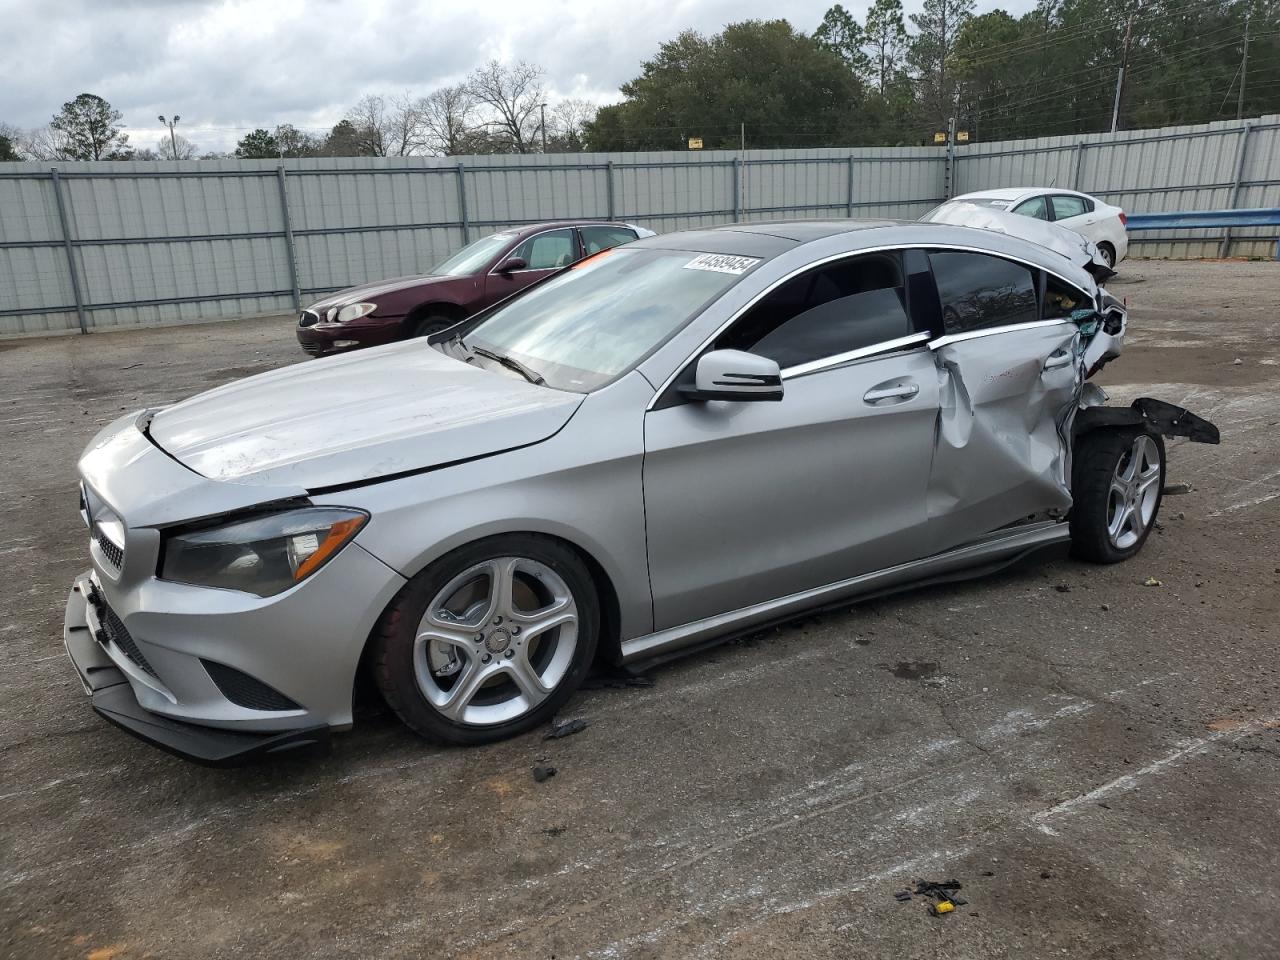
350,419
1067,243
378,288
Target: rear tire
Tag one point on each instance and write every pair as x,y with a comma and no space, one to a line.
1117,487
489,641
1108,254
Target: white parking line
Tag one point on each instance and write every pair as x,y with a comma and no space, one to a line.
1129,781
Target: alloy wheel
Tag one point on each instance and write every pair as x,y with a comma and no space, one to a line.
496,641
1134,493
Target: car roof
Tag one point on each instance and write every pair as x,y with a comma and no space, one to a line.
769,239
521,230
1015,193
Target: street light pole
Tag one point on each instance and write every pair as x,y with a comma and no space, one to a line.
543,108
173,140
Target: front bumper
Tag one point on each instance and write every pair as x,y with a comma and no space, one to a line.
372,331
112,696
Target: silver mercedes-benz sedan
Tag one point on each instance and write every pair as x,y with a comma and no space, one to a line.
665,444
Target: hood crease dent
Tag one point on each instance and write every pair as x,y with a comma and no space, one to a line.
351,419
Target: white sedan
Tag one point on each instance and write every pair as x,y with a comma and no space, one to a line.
1088,216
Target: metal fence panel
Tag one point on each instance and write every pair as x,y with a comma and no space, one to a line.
174,242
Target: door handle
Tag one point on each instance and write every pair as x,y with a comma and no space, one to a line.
1059,359
895,391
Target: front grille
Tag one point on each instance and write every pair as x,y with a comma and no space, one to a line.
111,552
309,318
113,627
243,690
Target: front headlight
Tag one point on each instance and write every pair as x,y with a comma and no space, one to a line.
264,555
354,311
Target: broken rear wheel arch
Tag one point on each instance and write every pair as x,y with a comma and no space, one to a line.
1154,416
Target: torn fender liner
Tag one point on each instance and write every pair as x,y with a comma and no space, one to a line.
1157,416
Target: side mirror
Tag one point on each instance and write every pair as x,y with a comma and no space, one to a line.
512,264
734,375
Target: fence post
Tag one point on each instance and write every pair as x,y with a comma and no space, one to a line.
1235,184
737,189
608,187
462,203
1076,160
288,239
949,173
68,246
849,198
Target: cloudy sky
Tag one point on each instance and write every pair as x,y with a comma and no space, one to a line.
227,66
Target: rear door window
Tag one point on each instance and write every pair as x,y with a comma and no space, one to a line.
595,239
978,291
1061,299
825,312
1065,206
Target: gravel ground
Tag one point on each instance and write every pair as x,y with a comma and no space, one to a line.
1093,758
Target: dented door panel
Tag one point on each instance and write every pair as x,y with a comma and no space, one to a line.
1001,448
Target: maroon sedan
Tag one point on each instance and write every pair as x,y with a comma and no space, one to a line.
480,274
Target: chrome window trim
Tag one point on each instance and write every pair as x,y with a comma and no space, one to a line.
840,359
958,247
992,331
520,243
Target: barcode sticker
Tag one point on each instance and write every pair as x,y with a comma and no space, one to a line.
722,263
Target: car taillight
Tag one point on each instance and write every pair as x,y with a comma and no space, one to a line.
1124,220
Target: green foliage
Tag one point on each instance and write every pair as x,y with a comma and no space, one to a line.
785,87
886,41
90,128
8,151
937,27
258,145
840,33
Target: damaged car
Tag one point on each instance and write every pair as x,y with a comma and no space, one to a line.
669,443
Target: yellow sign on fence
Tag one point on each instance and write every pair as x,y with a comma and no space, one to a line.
695,143
940,137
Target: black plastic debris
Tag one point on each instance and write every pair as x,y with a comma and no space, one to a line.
541,774
566,729
942,891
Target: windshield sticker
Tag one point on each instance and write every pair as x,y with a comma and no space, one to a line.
722,263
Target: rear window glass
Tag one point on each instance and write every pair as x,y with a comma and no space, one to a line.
978,291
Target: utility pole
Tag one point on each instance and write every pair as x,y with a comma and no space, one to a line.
1124,62
173,140
543,108
1244,68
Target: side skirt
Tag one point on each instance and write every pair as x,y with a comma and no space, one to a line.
972,560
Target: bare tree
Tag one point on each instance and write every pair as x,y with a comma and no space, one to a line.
446,117
165,147
512,95
46,143
369,118
567,125
387,128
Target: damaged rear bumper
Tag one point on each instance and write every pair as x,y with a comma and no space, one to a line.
1155,416
113,699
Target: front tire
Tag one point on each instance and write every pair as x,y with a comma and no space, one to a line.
429,324
489,641
1118,483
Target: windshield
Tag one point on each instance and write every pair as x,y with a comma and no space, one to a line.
588,324
472,258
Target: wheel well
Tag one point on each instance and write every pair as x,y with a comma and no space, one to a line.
608,646
450,310
1109,245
